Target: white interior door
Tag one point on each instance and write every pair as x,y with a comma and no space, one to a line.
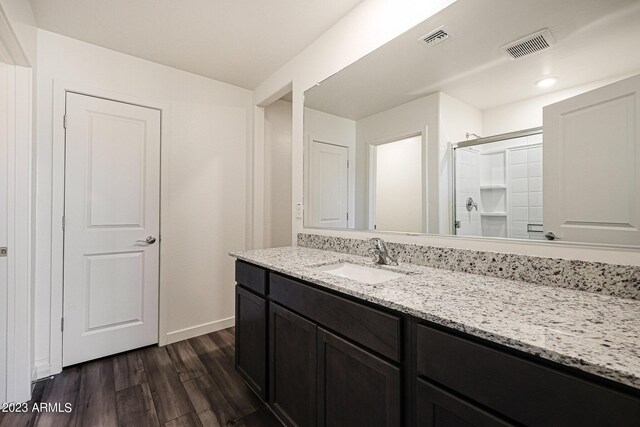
112,193
591,165
329,185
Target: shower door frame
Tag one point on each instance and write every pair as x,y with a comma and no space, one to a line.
473,143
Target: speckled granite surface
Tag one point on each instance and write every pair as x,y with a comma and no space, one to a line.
609,279
596,333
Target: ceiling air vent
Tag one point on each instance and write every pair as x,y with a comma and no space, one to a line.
434,37
530,44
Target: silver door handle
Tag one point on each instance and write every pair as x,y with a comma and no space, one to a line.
149,240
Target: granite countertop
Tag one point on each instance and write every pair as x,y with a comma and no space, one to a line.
595,333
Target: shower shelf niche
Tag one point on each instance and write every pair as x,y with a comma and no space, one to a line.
493,187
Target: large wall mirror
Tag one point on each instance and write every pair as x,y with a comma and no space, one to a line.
496,118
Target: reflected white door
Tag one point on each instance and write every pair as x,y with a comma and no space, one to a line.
592,165
112,193
329,176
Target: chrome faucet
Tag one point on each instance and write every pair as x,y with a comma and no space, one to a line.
379,250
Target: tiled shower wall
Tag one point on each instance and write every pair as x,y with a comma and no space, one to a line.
525,189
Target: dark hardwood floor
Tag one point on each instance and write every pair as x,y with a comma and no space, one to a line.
188,383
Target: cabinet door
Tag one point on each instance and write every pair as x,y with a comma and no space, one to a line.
437,408
251,340
293,367
355,388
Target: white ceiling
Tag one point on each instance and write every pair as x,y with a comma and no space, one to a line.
596,39
240,42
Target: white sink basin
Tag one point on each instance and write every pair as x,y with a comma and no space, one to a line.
359,273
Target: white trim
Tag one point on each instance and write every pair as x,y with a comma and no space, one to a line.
205,328
255,173
19,235
60,88
19,227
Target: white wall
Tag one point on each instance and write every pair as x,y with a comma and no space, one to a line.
399,190
210,125
277,174
331,129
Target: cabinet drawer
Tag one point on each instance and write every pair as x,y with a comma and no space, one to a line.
438,408
252,277
522,390
369,327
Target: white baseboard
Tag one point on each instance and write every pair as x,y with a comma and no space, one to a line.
205,328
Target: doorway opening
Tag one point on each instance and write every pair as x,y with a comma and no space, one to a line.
277,206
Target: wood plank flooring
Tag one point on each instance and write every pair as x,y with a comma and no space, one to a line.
188,383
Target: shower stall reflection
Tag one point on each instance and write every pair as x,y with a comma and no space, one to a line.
503,177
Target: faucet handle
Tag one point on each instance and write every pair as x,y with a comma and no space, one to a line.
376,243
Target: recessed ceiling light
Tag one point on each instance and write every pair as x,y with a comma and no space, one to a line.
546,82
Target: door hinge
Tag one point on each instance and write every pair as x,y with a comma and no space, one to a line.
64,121
347,216
62,323
64,221
347,163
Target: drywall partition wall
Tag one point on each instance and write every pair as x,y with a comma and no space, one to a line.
208,126
415,117
277,174
456,119
331,129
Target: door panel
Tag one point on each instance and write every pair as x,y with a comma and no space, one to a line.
112,193
116,170
251,340
438,408
115,289
592,165
355,387
293,369
328,185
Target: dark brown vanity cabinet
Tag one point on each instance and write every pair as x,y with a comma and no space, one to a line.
439,408
293,357
527,391
251,328
355,388
323,359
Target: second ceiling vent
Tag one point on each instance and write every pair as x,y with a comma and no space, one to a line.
436,36
530,44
